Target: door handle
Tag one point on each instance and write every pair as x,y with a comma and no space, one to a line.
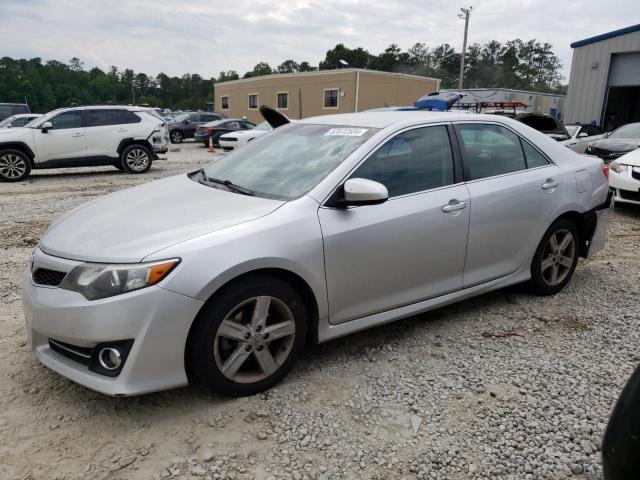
454,206
550,183
78,135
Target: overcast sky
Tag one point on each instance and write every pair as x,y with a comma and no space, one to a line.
205,37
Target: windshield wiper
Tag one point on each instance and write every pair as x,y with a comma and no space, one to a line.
227,183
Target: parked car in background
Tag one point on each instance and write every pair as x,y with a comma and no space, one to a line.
581,135
185,124
19,120
617,143
126,137
322,228
624,177
550,126
215,130
240,138
9,109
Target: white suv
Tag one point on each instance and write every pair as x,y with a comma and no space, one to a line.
128,138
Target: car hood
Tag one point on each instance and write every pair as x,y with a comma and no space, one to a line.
631,158
616,145
129,225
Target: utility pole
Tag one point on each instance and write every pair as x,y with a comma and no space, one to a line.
465,14
133,95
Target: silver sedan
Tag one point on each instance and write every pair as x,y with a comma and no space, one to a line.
318,229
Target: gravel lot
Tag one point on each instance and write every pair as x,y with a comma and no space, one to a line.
506,385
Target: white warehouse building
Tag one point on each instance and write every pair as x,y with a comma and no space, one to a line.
604,85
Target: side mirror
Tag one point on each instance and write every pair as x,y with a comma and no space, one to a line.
46,126
360,191
583,135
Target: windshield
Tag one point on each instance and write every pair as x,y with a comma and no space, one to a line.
572,129
263,126
291,161
181,117
629,132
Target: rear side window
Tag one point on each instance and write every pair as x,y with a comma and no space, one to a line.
534,157
102,117
412,161
67,120
125,116
490,150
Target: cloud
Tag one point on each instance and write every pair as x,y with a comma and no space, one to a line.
207,37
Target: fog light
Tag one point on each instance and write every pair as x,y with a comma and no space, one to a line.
110,358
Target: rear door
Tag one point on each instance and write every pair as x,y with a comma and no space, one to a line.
104,130
65,142
514,189
411,247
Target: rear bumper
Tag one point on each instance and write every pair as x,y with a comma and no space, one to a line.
602,218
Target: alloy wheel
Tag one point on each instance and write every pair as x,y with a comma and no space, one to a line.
12,166
558,257
254,339
137,159
176,136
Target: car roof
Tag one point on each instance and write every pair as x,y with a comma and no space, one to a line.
387,118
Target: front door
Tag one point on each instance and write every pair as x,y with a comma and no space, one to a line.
514,190
408,249
64,143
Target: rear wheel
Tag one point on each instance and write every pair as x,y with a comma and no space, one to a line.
14,165
176,136
555,259
249,337
135,159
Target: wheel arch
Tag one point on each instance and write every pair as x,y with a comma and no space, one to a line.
20,146
299,284
125,142
586,225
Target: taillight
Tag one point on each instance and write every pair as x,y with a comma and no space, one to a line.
605,171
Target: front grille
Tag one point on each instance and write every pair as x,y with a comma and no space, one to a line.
198,131
628,195
606,154
79,354
229,139
51,278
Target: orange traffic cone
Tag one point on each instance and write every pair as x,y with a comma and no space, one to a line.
211,149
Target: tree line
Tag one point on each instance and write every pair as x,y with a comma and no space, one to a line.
525,65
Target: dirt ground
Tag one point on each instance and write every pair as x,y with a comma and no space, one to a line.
51,428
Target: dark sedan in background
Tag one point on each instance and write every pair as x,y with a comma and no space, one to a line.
186,123
615,144
220,127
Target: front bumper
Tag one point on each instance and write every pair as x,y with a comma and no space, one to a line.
157,320
201,138
626,187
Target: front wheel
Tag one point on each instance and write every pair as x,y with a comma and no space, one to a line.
14,165
176,136
248,337
555,259
136,159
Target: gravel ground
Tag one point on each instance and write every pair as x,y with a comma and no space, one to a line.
506,385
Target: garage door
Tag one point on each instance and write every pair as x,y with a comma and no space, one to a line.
625,70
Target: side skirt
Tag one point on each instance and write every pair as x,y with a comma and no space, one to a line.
327,332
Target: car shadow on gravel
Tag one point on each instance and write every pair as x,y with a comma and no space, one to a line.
109,171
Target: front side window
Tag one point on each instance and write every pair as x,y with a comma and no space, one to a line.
224,103
66,120
283,100
490,150
253,101
102,117
290,161
195,118
331,98
412,161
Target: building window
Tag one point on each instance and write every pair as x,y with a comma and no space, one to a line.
224,103
253,101
282,100
331,98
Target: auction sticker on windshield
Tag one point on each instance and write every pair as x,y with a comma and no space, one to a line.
346,132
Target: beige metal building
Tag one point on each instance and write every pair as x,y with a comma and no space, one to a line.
604,86
307,94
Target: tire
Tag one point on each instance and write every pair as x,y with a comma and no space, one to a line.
228,327
552,267
15,165
136,159
176,136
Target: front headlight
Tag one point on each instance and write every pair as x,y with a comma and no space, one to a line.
618,167
99,280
